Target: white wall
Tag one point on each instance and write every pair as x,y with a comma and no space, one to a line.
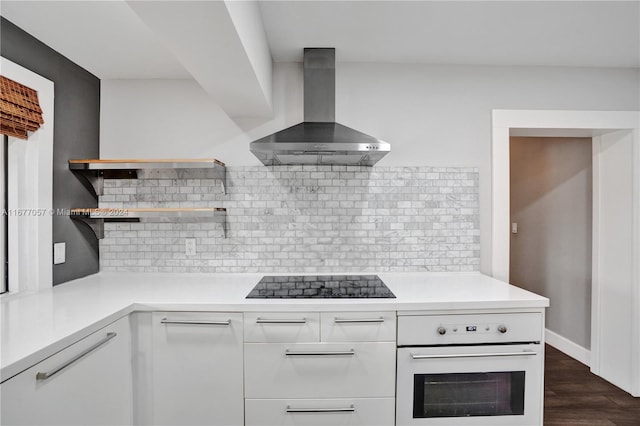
177,119
247,21
432,115
159,118
617,358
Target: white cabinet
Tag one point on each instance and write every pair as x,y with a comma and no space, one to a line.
320,412
197,368
87,383
320,368
358,326
264,327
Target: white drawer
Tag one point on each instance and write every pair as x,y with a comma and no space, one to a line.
358,326
467,329
299,412
317,370
275,327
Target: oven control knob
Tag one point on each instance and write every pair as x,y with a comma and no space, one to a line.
442,330
502,329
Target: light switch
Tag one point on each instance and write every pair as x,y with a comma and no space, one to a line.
59,253
514,228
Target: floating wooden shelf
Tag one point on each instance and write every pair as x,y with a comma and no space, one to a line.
95,218
95,171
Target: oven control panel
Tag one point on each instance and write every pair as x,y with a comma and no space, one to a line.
471,328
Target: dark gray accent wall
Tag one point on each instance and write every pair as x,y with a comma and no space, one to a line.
76,135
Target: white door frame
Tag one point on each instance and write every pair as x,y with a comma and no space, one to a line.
539,122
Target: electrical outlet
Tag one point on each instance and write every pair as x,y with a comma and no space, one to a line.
190,246
59,253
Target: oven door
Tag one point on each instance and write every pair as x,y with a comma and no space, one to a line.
470,385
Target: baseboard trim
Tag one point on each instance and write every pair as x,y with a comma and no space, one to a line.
570,348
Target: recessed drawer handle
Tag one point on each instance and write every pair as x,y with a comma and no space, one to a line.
350,409
195,322
280,321
472,355
350,352
357,320
48,374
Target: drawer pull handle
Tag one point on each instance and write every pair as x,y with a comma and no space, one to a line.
48,374
280,321
195,322
357,320
350,409
350,352
434,356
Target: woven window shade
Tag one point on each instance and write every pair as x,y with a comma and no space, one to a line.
20,110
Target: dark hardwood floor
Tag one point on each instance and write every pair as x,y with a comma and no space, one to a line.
574,396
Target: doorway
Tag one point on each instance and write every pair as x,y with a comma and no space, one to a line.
551,233
615,315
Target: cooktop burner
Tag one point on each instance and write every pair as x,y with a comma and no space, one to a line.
320,286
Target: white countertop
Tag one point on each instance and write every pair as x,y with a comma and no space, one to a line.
35,326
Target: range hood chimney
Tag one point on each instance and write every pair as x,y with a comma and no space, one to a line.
319,139
319,75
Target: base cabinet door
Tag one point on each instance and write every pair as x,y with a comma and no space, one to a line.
197,369
87,383
320,412
320,370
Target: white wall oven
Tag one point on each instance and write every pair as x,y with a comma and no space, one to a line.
476,369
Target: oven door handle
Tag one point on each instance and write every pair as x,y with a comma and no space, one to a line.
472,355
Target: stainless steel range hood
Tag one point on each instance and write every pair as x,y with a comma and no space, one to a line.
319,139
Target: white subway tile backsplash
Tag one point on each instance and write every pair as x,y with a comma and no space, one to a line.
303,218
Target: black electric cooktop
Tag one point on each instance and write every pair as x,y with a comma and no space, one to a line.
320,286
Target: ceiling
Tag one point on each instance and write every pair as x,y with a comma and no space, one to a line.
104,37
111,41
535,33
